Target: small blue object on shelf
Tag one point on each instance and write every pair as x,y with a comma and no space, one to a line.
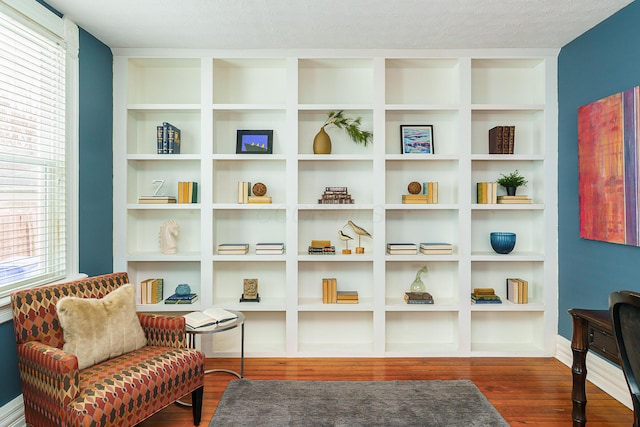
503,242
183,289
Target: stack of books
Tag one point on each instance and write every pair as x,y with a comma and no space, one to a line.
487,192
156,199
151,291
347,297
336,196
233,248
168,139
269,248
514,200
321,247
418,298
517,291
181,299
187,192
485,296
402,248
502,139
436,248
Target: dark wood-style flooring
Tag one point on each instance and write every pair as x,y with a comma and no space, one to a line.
526,391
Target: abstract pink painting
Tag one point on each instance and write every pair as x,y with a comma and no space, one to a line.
608,168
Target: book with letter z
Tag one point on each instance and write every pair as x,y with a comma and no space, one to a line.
209,318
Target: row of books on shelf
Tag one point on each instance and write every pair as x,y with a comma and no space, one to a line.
429,195
151,291
187,193
425,248
168,139
502,139
243,248
487,193
517,293
517,290
331,294
245,196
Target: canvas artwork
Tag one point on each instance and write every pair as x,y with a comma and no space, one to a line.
608,168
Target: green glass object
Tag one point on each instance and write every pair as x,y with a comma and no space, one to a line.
418,285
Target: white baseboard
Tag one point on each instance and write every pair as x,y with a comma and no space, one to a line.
12,413
600,372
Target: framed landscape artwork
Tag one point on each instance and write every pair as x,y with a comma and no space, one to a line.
608,168
417,139
254,142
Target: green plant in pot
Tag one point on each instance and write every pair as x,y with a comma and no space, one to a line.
511,182
322,141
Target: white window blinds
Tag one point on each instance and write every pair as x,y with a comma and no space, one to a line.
32,157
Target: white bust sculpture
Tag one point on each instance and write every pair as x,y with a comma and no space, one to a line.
168,237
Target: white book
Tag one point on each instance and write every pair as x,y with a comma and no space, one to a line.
209,318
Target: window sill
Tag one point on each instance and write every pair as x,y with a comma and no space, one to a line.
5,303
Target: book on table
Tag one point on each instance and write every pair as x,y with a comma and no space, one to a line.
210,318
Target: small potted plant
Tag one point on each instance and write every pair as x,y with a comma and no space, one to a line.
511,182
322,142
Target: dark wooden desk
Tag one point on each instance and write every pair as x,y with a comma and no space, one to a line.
592,330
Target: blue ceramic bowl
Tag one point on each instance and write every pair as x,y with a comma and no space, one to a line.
503,242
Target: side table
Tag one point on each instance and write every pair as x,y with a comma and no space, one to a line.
592,330
222,327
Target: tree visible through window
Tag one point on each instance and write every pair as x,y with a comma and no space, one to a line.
32,156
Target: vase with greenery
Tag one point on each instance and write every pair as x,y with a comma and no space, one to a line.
322,141
511,182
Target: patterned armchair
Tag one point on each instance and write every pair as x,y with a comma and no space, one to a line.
120,391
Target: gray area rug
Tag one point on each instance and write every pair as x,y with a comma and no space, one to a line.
354,403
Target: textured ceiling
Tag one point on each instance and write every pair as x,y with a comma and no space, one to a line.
337,24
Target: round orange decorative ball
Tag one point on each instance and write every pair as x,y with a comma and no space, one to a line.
259,189
414,187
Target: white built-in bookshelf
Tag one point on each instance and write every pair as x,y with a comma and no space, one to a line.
210,95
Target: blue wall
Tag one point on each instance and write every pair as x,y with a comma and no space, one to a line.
96,156
96,189
599,63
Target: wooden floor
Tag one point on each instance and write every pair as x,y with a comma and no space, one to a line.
526,391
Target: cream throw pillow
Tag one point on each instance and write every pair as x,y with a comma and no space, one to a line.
99,329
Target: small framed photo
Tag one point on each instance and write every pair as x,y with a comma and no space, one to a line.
417,139
254,142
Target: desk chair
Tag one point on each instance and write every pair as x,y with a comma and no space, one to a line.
624,308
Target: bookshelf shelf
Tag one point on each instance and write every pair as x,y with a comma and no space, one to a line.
210,95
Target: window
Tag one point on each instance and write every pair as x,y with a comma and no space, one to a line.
36,149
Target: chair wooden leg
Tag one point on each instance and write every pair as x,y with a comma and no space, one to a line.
196,404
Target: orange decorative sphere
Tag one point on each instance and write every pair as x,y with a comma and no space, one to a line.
414,187
259,189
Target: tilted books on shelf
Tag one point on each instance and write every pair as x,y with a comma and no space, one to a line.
209,318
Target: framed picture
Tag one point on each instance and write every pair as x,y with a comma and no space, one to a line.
254,142
417,139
